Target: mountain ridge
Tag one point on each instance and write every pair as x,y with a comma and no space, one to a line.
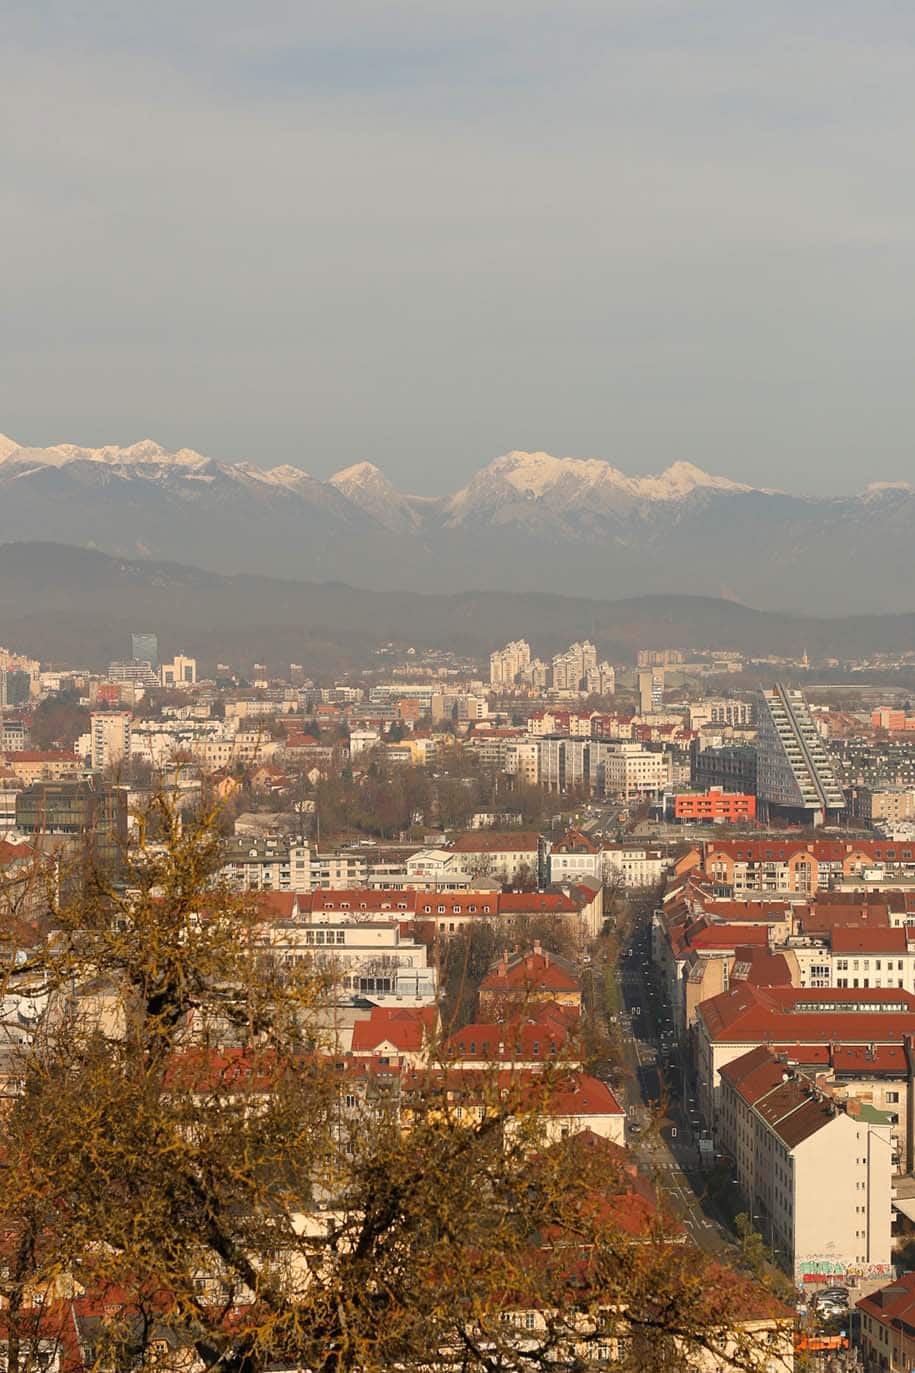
525,521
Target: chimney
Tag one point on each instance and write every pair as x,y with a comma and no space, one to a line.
537,948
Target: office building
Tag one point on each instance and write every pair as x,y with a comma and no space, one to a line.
796,781
181,671
144,648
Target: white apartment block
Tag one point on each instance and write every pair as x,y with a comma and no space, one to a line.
739,714
633,865
506,664
571,669
522,760
818,1181
267,865
632,770
109,732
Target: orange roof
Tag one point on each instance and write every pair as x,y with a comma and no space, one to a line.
893,1305
407,1028
535,971
855,939
793,1014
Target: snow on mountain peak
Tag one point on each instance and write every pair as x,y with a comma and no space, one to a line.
360,474
7,446
367,487
539,474
147,451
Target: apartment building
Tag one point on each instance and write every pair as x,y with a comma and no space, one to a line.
892,805
271,864
507,664
887,1326
505,857
42,765
817,1179
572,668
634,865
722,711
109,732
14,734
746,1016
574,857
631,770
521,760
783,865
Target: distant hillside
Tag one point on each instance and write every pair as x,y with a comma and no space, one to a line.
79,606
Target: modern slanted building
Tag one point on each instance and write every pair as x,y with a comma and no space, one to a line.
795,779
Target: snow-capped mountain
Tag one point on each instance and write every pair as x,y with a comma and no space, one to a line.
525,521
545,493
368,488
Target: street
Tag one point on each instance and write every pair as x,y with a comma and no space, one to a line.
659,1132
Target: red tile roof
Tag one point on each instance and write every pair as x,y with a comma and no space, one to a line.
893,1305
748,1014
761,968
818,918
11,853
407,1028
855,939
534,972
729,937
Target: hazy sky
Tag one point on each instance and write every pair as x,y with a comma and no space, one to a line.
426,232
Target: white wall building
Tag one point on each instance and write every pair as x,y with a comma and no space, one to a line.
109,732
818,1181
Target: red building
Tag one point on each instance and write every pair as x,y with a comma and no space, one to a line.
715,804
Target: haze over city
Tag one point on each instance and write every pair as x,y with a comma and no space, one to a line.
424,235
457,687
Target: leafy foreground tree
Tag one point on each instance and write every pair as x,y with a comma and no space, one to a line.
193,1177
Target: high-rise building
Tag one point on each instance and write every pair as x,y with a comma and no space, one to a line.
144,648
181,671
651,690
507,664
572,668
796,779
109,732
601,680
14,686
